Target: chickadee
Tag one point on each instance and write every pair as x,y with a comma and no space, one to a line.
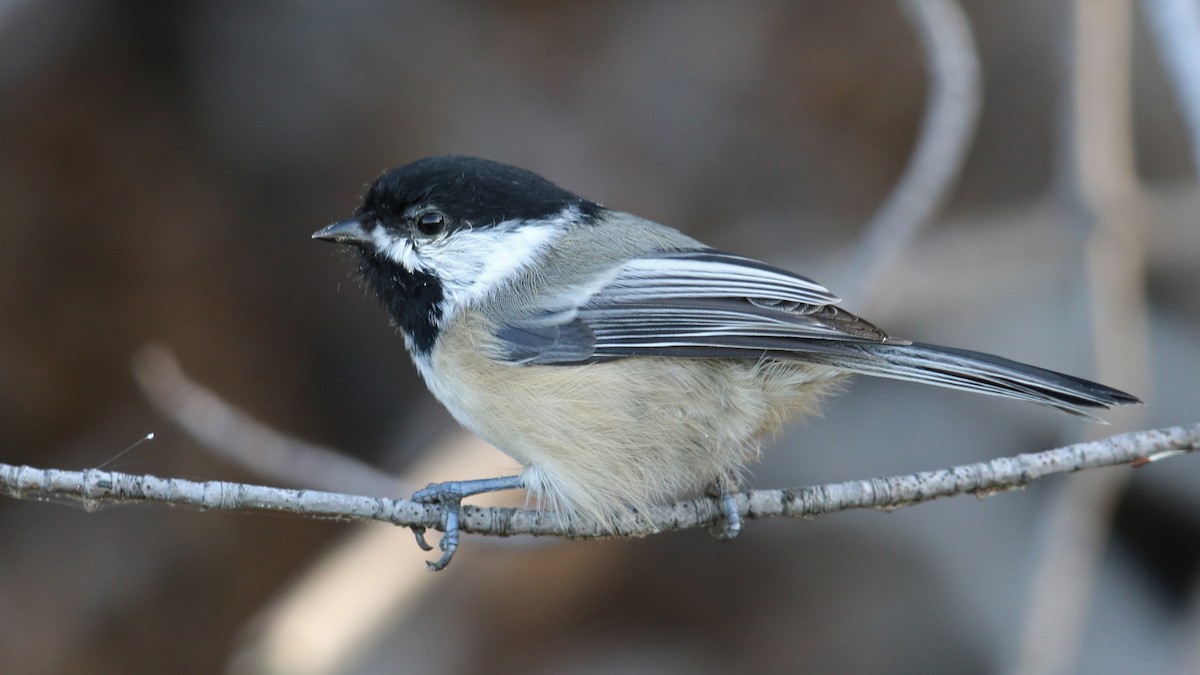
620,361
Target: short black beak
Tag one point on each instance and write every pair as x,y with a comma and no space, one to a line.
346,232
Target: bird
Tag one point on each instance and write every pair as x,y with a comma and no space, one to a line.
619,361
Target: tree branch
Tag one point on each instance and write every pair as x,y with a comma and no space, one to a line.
1098,180
236,436
947,128
94,488
1176,28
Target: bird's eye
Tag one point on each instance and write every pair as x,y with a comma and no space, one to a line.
431,222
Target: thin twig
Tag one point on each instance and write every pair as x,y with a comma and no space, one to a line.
946,132
94,488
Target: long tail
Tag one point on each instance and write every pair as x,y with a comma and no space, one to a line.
976,371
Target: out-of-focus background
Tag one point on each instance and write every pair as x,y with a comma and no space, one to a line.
162,165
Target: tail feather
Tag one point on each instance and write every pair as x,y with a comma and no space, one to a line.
976,371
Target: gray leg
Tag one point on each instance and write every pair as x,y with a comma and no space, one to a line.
451,494
730,525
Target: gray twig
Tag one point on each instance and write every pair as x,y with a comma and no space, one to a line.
1176,27
946,132
1098,181
94,488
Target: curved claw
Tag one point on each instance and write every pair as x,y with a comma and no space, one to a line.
419,533
449,542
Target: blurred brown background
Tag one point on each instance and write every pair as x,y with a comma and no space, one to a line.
162,165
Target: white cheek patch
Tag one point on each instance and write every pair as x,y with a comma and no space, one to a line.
472,264
398,249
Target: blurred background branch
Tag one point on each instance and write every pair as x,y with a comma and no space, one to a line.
234,435
953,71
1099,185
1176,26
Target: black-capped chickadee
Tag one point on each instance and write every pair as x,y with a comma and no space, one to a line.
621,362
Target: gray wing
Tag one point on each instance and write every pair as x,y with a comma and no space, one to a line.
701,303
705,303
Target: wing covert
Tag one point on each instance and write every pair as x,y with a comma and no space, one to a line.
700,303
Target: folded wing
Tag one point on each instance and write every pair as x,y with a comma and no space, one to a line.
708,304
701,303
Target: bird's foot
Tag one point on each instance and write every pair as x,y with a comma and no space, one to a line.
450,495
730,525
